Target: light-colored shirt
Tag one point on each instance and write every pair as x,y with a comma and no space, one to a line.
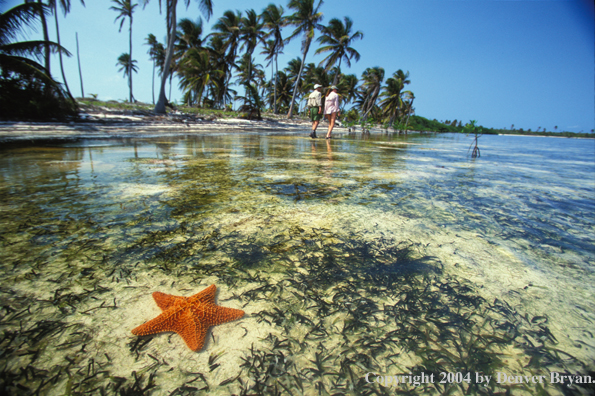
315,99
331,104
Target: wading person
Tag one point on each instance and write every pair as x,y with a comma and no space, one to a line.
331,109
315,108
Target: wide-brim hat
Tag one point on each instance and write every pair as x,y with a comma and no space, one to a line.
316,86
334,87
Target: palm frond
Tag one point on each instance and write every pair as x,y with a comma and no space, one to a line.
15,19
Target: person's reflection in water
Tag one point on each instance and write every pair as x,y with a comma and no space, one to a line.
328,165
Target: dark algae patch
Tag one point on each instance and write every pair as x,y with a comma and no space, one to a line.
371,273
356,307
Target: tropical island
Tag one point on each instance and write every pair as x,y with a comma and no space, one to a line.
208,246
217,72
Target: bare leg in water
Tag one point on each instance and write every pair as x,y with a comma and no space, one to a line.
331,123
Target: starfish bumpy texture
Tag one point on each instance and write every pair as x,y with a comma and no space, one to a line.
190,317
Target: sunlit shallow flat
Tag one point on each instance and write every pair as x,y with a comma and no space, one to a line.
383,254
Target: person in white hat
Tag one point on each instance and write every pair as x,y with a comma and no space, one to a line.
315,108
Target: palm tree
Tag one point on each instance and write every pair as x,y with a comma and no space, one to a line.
373,77
157,55
189,36
251,31
248,72
127,66
206,7
251,34
15,57
347,88
337,38
292,70
409,95
400,75
252,102
392,103
269,50
197,75
306,19
126,9
314,75
274,21
250,75
283,94
228,30
219,92
26,87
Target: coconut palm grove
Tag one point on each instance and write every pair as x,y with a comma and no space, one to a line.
215,71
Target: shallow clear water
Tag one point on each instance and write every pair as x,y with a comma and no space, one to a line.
385,254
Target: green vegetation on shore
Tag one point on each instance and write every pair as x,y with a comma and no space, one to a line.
26,88
218,71
418,123
87,104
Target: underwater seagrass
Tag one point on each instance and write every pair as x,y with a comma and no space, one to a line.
371,257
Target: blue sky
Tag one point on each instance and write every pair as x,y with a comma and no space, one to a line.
527,63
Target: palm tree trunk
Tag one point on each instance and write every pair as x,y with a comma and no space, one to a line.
228,74
272,78
371,103
130,75
46,38
171,24
60,53
337,73
276,79
249,72
153,83
297,80
79,62
408,114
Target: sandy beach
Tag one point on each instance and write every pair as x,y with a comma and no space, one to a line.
102,122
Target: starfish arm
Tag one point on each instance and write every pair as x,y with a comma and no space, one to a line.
206,296
164,322
214,315
192,331
166,301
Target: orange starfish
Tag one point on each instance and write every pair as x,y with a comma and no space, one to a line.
190,317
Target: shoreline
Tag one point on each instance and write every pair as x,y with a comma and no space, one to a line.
105,123
109,124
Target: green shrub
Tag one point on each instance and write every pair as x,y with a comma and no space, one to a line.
22,99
